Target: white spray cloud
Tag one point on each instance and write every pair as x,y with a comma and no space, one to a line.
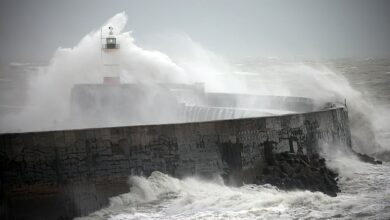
184,61
49,92
200,64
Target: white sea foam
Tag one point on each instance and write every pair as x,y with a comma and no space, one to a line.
365,194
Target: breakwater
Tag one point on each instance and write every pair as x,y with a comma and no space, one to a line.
68,173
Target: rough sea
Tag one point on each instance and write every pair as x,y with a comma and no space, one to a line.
37,97
365,188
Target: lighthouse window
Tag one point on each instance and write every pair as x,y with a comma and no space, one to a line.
111,41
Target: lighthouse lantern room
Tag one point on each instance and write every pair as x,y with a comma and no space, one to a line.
110,40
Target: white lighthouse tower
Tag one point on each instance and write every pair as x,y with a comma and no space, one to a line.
111,66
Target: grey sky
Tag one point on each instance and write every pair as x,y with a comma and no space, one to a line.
31,30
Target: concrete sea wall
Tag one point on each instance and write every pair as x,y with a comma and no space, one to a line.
63,174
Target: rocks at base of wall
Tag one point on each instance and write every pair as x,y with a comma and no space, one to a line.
291,171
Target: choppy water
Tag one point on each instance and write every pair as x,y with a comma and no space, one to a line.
365,188
365,195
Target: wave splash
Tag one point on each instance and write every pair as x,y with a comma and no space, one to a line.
160,196
185,61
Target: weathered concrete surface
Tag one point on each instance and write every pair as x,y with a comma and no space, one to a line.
62,174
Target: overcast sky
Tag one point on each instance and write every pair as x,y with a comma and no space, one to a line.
31,30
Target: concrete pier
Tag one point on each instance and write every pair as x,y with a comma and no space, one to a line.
68,173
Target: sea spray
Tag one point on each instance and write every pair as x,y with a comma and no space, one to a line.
48,104
324,85
185,62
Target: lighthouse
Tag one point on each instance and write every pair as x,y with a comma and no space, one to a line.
112,102
109,49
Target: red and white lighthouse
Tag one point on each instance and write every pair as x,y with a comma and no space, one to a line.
111,67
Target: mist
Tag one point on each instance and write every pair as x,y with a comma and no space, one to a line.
49,92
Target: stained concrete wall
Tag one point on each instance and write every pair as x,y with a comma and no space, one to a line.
62,174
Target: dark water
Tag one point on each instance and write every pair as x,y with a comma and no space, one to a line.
370,76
